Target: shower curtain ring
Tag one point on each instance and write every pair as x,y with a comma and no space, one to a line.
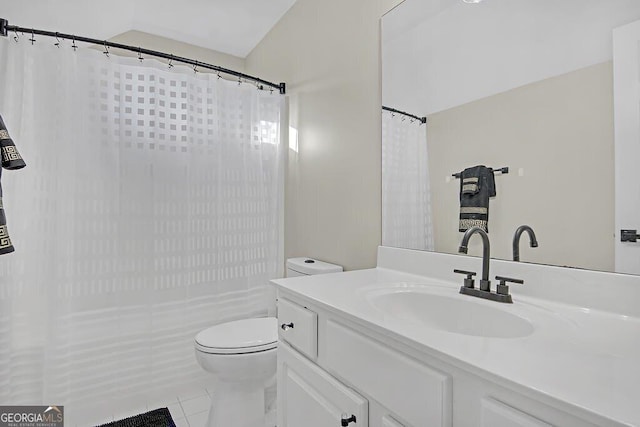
32,39
170,66
74,46
16,37
57,43
106,49
140,58
195,67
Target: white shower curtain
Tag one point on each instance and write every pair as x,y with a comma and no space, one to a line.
406,203
150,208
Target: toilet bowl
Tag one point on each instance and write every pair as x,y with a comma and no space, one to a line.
241,355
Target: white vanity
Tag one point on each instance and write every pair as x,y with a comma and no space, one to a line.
398,345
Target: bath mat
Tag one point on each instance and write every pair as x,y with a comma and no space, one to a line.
156,418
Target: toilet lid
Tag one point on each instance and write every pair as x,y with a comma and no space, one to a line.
239,336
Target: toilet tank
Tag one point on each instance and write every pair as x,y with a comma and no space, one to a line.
308,266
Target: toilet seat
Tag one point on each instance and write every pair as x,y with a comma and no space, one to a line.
239,337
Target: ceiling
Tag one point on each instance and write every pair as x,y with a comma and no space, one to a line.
234,27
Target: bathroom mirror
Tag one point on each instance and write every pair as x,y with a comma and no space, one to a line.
524,84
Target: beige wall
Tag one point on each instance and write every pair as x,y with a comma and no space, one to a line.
150,41
560,132
328,53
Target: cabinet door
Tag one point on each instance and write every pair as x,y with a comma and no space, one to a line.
497,414
419,394
310,397
389,421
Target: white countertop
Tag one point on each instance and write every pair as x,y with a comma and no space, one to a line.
585,358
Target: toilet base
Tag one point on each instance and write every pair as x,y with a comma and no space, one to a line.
238,404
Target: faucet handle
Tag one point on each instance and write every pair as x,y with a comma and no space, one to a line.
502,288
468,282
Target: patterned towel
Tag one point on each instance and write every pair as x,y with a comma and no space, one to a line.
477,184
11,159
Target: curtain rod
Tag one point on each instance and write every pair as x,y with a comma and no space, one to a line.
422,120
5,28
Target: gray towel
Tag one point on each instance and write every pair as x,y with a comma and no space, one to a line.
477,185
11,159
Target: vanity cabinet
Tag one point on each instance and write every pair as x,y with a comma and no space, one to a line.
388,421
310,394
352,370
418,393
497,414
299,327
310,397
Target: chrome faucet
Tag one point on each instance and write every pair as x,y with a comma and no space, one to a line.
485,283
502,290
533,242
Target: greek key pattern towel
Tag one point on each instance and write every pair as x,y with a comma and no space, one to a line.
11,159
477,185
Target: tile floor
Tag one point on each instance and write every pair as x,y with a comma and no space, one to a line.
191,411
189,408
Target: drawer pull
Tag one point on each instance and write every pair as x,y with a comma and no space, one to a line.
346,420
286,326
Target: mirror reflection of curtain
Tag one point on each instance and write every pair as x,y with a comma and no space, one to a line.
406,204
149,210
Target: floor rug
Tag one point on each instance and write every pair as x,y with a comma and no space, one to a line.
156,418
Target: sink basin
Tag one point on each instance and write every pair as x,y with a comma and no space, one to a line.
451,313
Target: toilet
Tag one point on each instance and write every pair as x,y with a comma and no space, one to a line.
309,267
241,355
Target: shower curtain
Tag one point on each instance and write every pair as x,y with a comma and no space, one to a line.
150,208
406,203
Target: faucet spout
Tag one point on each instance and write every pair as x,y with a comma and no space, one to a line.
533,241
484,283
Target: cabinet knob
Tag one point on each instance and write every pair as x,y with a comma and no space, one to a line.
346,420
286,326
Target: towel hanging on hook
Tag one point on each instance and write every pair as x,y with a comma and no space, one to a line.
11,159
503,171
477,186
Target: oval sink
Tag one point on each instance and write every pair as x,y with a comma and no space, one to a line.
457,314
